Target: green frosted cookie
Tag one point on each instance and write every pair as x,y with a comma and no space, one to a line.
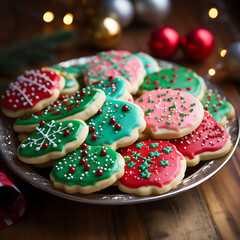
87,169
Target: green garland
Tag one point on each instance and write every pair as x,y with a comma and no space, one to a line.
36,50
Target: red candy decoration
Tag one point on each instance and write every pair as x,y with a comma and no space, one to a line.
84,145
45,145
66,132
198,44
41,123
92,129
87,167
72,170
103,152
99,172
111,78
62,97
164,42
82,161
125,108
112,120
118,126
94,137
99,111
82,92
84,153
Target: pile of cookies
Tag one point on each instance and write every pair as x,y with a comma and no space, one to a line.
118,119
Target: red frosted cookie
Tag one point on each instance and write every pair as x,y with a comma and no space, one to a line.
152,167
32,92
116,64
209,141
170,113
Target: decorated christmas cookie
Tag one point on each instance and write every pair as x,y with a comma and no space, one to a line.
179,78
149,63
113,87
170,113
116,64
71,84
220,109
22,136
151,167
32,92
52,140
82,105
209,141
87,169
117,124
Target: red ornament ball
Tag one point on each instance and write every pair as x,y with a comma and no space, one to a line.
66,132
164,42
99,172
94,137
82,92
82,161
103,152
118,127
87,167
84,153
198,44
72,170
41,123
45,145
92,129
112,120
84,145
125,108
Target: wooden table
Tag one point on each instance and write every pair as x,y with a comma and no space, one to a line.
209,211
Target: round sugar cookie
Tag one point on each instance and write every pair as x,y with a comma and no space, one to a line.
113,87
177,78
170,113
220,109
32,92
82,105
209,141
52,140
152,167
87,169
116,64
117,124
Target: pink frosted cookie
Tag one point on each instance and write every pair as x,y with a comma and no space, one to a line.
152,167
116,64
170,113
32,92
209,141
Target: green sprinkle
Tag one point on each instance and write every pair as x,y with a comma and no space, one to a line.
170,99
145,174
140,100
182,97
191,110
179,124
139,145
168,123
171,108
193,104
131,164
167,149
183,114
153,145
164,163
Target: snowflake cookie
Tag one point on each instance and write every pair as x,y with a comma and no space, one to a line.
32,92
87,169
151,167
209,141
52,140
170,113
81,105
117,124
116,64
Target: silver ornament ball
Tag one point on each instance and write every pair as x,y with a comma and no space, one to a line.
152,11
232,61
121,10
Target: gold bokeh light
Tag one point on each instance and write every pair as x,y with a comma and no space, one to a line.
211,72
213,13
48,16
68,19
223,52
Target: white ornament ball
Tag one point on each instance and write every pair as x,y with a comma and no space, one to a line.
152,11
122,10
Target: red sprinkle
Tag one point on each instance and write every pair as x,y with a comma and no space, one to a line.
110,78
82,92
72,170
66,132
94,137
62,97
82,161
125,108
112,120
84,145
41,123
118,126
99,172
45,145
173,81
87,167
103,152
84,153
99,111
175,75
92,129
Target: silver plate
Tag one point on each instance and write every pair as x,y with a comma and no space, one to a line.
110,196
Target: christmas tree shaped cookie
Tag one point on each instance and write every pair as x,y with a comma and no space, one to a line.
32,92
116,64
81,105
151,167
113,87
209,141
117,124
52,140
178,78
71,84
87,169
220,109
170,113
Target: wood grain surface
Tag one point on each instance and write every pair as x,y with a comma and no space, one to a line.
210,211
